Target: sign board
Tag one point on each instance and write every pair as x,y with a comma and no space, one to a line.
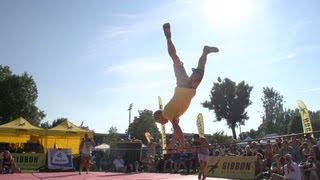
60,159
29,161
233,167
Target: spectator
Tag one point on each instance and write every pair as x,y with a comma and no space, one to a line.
234,148
279,142
275,148
7,164
308,169
247,151
295,144
316,156
118,163
268,154
259,163
277,167
291,169
180,160
168,160
192,161
285,148
306,151
254,148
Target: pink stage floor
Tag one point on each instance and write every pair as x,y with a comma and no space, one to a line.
98,175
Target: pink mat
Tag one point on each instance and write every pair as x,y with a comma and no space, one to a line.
97,175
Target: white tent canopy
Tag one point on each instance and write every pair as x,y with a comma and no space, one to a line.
271,137
245,141
102,147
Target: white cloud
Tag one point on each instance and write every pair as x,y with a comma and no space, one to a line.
291,55
114,35
116,32
140,65
311,90
135,87
122,15
288,49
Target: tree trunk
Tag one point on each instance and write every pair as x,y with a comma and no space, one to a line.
234,132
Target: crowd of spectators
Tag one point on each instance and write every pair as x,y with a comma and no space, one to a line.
281,157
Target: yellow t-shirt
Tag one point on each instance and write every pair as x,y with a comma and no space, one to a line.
179,103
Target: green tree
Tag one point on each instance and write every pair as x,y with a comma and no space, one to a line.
315,119
219,137
229,100
112,135
252,134
295,125
18,97
82,126
273,115
143,123
54,123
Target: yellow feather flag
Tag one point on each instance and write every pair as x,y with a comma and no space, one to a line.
305,118
200,125
163,129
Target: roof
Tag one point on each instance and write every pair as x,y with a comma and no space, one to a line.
67,128
20,126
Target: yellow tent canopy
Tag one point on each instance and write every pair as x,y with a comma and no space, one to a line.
66,135
20,126
20,131
66,128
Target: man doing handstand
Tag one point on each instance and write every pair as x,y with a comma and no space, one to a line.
184,92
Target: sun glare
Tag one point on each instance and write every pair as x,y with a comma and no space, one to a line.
227,12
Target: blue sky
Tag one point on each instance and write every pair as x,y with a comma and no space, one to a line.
91,59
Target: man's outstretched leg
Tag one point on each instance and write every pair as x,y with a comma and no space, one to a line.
171,48
203,58
197,74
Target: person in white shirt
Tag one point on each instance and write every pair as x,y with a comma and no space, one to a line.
118,164
291,169
85,150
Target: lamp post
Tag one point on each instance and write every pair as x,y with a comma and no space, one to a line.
129,109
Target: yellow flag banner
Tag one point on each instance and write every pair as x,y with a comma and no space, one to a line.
200,125
233,167
305,117
163,129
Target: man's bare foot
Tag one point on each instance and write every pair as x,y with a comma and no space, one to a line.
166,30
208,49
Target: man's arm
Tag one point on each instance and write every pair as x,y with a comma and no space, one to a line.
81,145
204,142
93,143
177,132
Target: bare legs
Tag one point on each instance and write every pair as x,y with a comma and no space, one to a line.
173,53
203,165
203,58
171,48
